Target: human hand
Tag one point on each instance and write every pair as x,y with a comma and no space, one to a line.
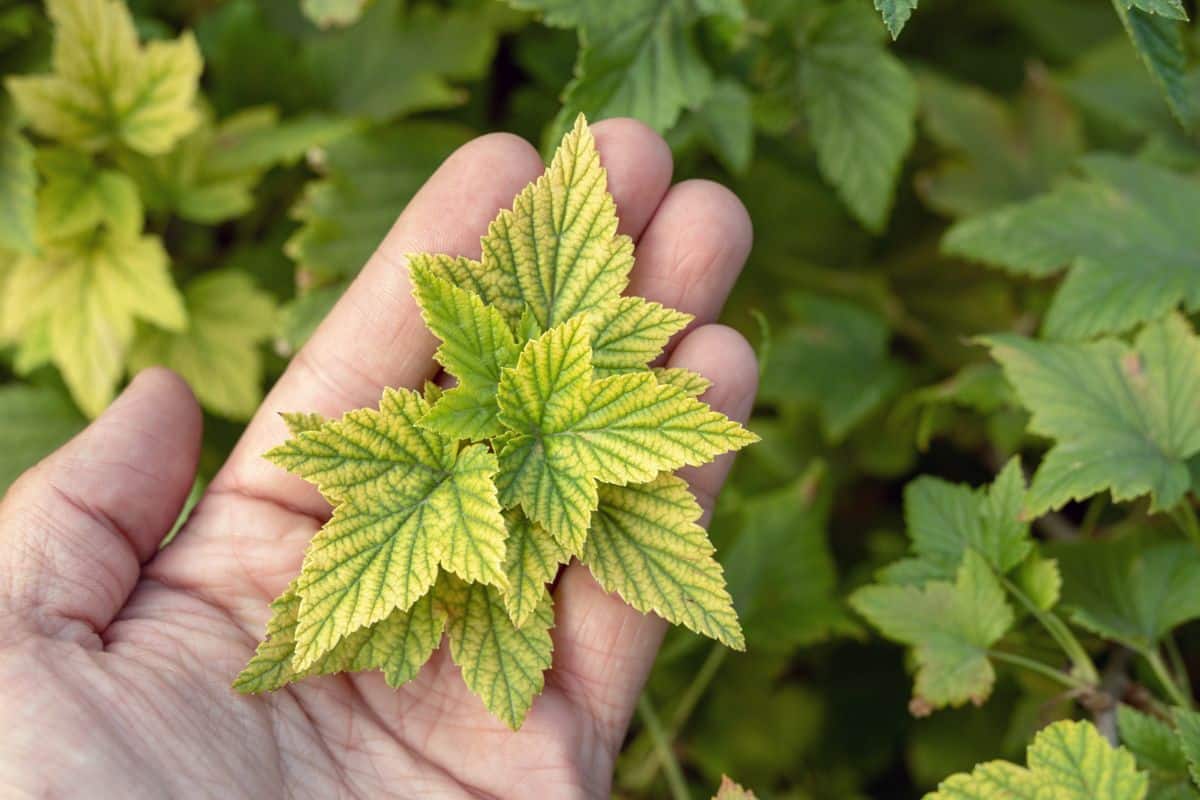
116,657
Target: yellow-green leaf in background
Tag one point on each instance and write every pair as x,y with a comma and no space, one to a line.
106,89
406,501
218,352
399,645
332,13
1068,760
729,790
644,544
78,195
500,662
568,431
88,291
18,186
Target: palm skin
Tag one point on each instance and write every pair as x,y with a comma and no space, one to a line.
116,657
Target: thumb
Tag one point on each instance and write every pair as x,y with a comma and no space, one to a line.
75,529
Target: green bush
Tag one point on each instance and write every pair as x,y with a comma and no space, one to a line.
977,258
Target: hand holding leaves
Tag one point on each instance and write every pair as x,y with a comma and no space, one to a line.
571,460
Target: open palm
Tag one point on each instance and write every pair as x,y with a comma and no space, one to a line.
116,657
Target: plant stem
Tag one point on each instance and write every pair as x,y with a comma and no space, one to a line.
1178,665
1164,677
662,746
1064,678
688,701
1185,517
1081,662
1092,516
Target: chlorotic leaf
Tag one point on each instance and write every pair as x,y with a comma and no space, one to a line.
570,431
219,352
558,248
644,544
895,14
688,382
78,195
858,98
88,291
949,626
107,89
531,560
501,663
406,501
629,332
1122,418
1067,761
476,345
399,645
1127,233
728,790
18,185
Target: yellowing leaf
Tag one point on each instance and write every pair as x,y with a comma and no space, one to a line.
949,626
476,345
399,645
406,501
688,382
18,184
570,431
88,291
500,662
728,790
218,353
644,544
531,561
79,195
629,332
106,89
1067,761
558,247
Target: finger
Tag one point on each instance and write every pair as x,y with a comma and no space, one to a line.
604,649
75,529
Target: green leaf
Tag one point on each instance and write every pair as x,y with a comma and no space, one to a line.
949,626
997,153
368,179
557,250
1154,743
1067,761
1128,234
858,99
106,89
18,186
895,14
503,664
531,560
399,645
645,544
333,13
88,291
832,356
569,431
1188,723
1123,419
406,501
399,58
476,345
945,520
34,421
1040,580
1131,589
1159,41
780,568
218,353
635,59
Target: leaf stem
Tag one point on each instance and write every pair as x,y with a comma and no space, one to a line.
1081,662
1164,677
1178,665
688,701
1064,678
1185,517
662,746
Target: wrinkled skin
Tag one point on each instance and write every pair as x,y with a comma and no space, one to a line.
116,657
